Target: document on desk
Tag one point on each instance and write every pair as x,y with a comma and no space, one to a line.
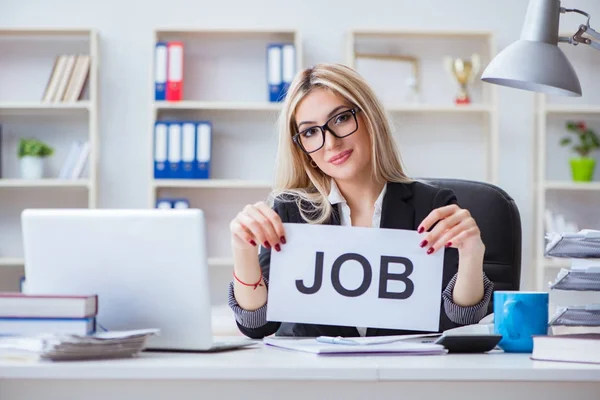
318,347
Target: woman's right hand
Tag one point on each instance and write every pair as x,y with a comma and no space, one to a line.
257,224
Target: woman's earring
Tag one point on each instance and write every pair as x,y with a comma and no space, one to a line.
313,164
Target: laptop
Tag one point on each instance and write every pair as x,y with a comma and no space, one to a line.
148,267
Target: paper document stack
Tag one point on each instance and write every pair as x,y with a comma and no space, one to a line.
366,345
575,293
65,347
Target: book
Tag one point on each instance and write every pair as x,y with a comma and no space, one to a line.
37,326
19,305
315,346
581,348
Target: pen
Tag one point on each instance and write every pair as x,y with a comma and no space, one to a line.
335,340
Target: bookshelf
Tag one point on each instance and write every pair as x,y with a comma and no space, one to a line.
25,73
433,131
224,82
553,186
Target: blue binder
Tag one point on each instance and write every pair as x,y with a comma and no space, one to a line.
203,149
174,150
160,71
274,71
288,67
188,149
160,150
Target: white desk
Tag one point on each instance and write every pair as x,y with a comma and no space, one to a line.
269,373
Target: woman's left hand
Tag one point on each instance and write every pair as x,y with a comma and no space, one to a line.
455,228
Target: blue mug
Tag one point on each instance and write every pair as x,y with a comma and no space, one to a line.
518,316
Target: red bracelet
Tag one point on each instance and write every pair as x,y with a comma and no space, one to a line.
255,285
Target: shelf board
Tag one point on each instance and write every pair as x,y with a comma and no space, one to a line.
217,105
34,107
244,32
11,262
43,31
35,183
211,183
567,185
220,262
556,263
441,108
572,109
421,33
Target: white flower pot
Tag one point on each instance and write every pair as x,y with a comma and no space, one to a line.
32,167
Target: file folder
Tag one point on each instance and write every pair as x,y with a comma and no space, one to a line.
203,150
160,71
274,71
175,71
174,151
288,67
188,150
160,150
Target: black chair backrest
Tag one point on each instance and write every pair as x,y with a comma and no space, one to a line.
499,221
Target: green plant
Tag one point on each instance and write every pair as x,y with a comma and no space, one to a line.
34,148
587,138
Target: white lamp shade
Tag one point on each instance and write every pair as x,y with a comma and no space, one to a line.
535,66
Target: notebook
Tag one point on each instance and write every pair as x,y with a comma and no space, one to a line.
314,346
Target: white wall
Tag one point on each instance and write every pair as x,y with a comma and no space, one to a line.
126,45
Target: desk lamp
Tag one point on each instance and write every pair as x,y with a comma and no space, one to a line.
535,62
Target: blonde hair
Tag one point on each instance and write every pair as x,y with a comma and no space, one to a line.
295,179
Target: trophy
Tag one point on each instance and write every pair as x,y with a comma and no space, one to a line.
464,71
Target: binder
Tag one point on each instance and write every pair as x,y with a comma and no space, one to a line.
160,71
188,149
180,203
174,151
203,149
163,203
175,71
288,67
160,150
274,71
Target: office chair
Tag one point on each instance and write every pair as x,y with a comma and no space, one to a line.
499,221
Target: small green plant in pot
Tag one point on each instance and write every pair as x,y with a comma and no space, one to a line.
584,142
32,153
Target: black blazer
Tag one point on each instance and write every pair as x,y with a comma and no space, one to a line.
404,206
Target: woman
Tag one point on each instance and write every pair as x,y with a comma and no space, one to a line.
338,164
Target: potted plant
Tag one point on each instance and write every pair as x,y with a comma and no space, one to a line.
584,142
32,153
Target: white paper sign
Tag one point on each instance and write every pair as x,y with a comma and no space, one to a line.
354,276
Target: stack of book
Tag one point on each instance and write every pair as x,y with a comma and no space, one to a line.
574,300
67,79
32,315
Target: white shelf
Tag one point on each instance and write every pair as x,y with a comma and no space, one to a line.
212,262
566,185
421,33
220,262
11,262
45,31
216,105
442,108
555,263
572,109
34,183
211,183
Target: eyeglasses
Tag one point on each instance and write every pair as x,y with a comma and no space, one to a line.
340,125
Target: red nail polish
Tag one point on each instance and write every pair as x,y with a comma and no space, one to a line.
430,250
421,229
423,243
448,244
252,242
282,240
277,247
267,245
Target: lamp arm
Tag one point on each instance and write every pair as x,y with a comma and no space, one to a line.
578,37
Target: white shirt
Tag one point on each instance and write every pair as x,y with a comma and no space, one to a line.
336,197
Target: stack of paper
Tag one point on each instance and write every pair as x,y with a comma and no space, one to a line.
357,345
102,345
